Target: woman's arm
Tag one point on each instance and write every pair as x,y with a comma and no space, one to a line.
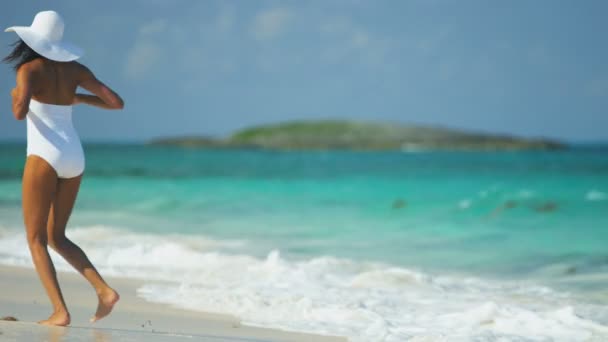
92,100
22,93
103,97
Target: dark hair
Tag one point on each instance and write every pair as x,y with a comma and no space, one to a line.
21,54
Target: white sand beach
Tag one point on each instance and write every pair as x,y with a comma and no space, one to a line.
133,319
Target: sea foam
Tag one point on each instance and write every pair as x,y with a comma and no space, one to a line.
595,195
365,301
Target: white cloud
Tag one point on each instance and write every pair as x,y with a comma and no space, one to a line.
142,58
226,19
360,39
271,23
146,52
156,26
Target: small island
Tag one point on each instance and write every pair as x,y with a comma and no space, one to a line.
359,136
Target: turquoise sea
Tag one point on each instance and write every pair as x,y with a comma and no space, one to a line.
378,246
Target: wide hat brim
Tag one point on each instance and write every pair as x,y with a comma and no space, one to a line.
57,51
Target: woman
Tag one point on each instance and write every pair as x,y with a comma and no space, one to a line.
47,79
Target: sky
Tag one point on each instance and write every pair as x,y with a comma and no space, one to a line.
190,67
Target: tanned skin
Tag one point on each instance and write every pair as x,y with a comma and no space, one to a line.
47,199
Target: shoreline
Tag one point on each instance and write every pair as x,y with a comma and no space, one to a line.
134,318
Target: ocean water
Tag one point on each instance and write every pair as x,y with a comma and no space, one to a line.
377,246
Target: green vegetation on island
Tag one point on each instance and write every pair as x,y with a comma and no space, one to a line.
354,135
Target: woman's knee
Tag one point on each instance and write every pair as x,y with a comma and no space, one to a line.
37,239
58,242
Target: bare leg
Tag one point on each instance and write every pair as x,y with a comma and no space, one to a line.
39,186
61,208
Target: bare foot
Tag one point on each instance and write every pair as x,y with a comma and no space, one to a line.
61,318
107,299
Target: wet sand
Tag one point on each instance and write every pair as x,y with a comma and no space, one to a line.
133,319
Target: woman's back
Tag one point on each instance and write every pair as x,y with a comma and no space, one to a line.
53,82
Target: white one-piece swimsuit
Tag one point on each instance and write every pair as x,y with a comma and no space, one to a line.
52,137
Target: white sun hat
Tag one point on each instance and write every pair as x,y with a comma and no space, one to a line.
45,37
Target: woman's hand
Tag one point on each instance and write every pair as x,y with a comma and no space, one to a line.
13,92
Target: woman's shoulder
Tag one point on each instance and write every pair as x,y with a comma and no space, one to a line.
78,67
76,70
40,70
40,64
31,66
